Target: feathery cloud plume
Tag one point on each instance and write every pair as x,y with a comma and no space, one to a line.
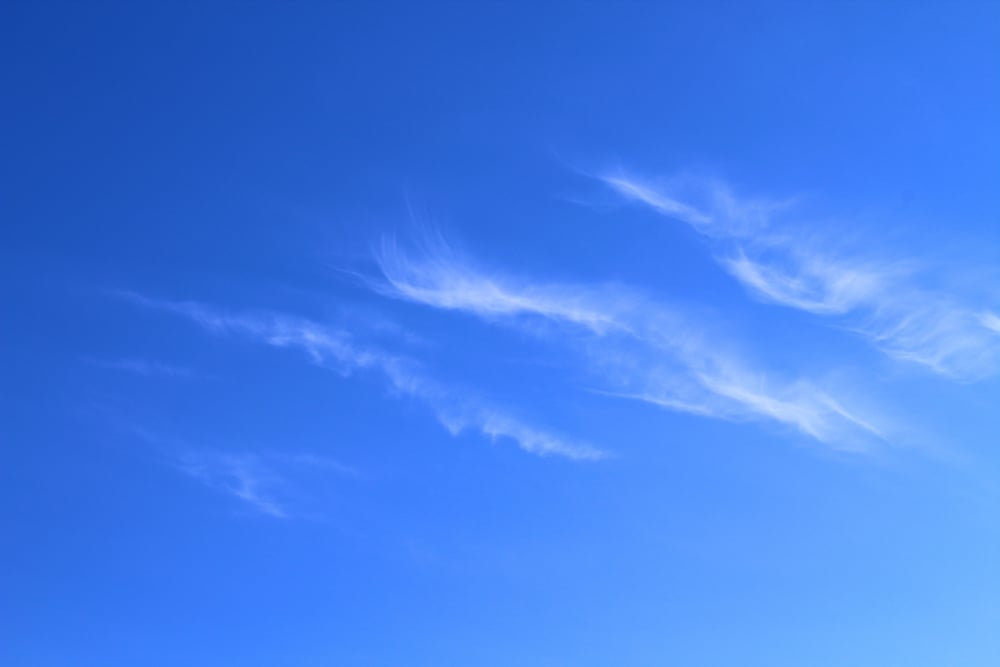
645,350
441,279
882,300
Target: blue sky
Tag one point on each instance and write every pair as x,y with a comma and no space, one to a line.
458,334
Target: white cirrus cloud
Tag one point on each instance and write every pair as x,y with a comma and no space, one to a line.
336,349
143,367
242,475
641,349
442,280
882,299
990,320
265,481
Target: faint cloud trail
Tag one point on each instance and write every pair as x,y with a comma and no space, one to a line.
336,349
143,367
265,481
238,474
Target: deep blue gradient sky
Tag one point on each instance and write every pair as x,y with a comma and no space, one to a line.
500,334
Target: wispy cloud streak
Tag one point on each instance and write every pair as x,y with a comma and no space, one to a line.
267,482
336,349
143,367
442,280
241,475
881,299
644,350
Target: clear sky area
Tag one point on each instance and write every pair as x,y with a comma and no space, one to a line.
584,334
